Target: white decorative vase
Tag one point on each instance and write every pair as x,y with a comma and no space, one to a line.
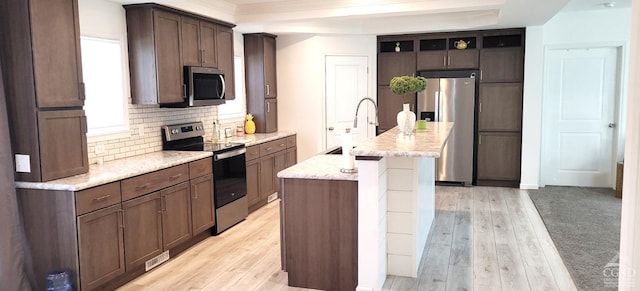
406,120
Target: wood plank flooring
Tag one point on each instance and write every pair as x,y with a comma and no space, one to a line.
483,239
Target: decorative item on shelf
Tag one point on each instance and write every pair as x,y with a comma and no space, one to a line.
397,47
461,44
249,126
239,130
215,135
406,86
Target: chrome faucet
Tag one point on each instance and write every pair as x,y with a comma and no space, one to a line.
355,120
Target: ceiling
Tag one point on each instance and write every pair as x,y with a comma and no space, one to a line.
379,17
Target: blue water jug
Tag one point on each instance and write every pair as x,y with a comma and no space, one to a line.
58,281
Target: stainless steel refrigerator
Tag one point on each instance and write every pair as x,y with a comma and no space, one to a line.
452,99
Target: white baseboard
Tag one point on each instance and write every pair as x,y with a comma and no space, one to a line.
529,186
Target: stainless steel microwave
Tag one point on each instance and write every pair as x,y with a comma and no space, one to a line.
204,86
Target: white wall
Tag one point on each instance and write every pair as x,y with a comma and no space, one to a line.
575,29
301,85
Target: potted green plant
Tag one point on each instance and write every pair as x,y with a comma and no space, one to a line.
406,86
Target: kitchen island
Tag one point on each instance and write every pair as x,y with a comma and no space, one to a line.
366,225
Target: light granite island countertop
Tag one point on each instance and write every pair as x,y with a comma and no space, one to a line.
389,203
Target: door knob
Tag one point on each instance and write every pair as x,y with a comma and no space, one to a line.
612,125
330,128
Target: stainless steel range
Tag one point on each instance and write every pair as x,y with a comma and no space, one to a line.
229,170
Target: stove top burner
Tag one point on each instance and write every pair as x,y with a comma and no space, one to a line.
221,147
189,137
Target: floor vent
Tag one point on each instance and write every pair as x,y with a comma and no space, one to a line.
157,260
272,197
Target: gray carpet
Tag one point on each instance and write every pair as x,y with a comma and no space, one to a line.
584,224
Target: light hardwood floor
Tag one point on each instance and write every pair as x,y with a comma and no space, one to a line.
483,239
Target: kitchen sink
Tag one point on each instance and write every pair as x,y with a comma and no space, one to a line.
334,151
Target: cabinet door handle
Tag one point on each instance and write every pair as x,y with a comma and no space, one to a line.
268,91
194,189
145,185
269,149
184,91
163,203
268,103
83,92
175,176
102,198
480,107
448,60
480,141
480,75
444,61
121,217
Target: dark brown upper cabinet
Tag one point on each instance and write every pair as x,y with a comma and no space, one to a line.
155,60
42,50
224,40
199,43
260,63
261,84
502,65
500,107
40,56
162,40
450,52
63,143
396,57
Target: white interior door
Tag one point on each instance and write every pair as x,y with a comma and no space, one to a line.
346,84
580,95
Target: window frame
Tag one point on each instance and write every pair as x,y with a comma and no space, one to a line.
124,130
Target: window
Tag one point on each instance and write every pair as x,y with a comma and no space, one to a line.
102,70
235,108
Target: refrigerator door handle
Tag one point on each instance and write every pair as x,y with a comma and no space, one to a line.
436,98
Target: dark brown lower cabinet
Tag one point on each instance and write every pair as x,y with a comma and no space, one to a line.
267,174
291,157
319,227
142,229
253,181
176,215
264,162
280,164
101,246
499,157
202,211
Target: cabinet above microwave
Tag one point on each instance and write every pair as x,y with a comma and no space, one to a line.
156,47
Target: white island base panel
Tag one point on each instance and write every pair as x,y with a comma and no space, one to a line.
396,208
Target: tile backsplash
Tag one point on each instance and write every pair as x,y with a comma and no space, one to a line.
145,133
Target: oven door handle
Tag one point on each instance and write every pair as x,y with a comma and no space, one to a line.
229,154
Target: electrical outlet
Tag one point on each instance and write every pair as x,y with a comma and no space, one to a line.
99,149
23,163
140,129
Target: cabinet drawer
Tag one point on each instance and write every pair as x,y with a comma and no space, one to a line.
147,183
200,168
273,146
253,152
97,197
291,141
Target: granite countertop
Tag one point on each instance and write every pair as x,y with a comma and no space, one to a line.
392,143
319,167
117,170
423,143
258,138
